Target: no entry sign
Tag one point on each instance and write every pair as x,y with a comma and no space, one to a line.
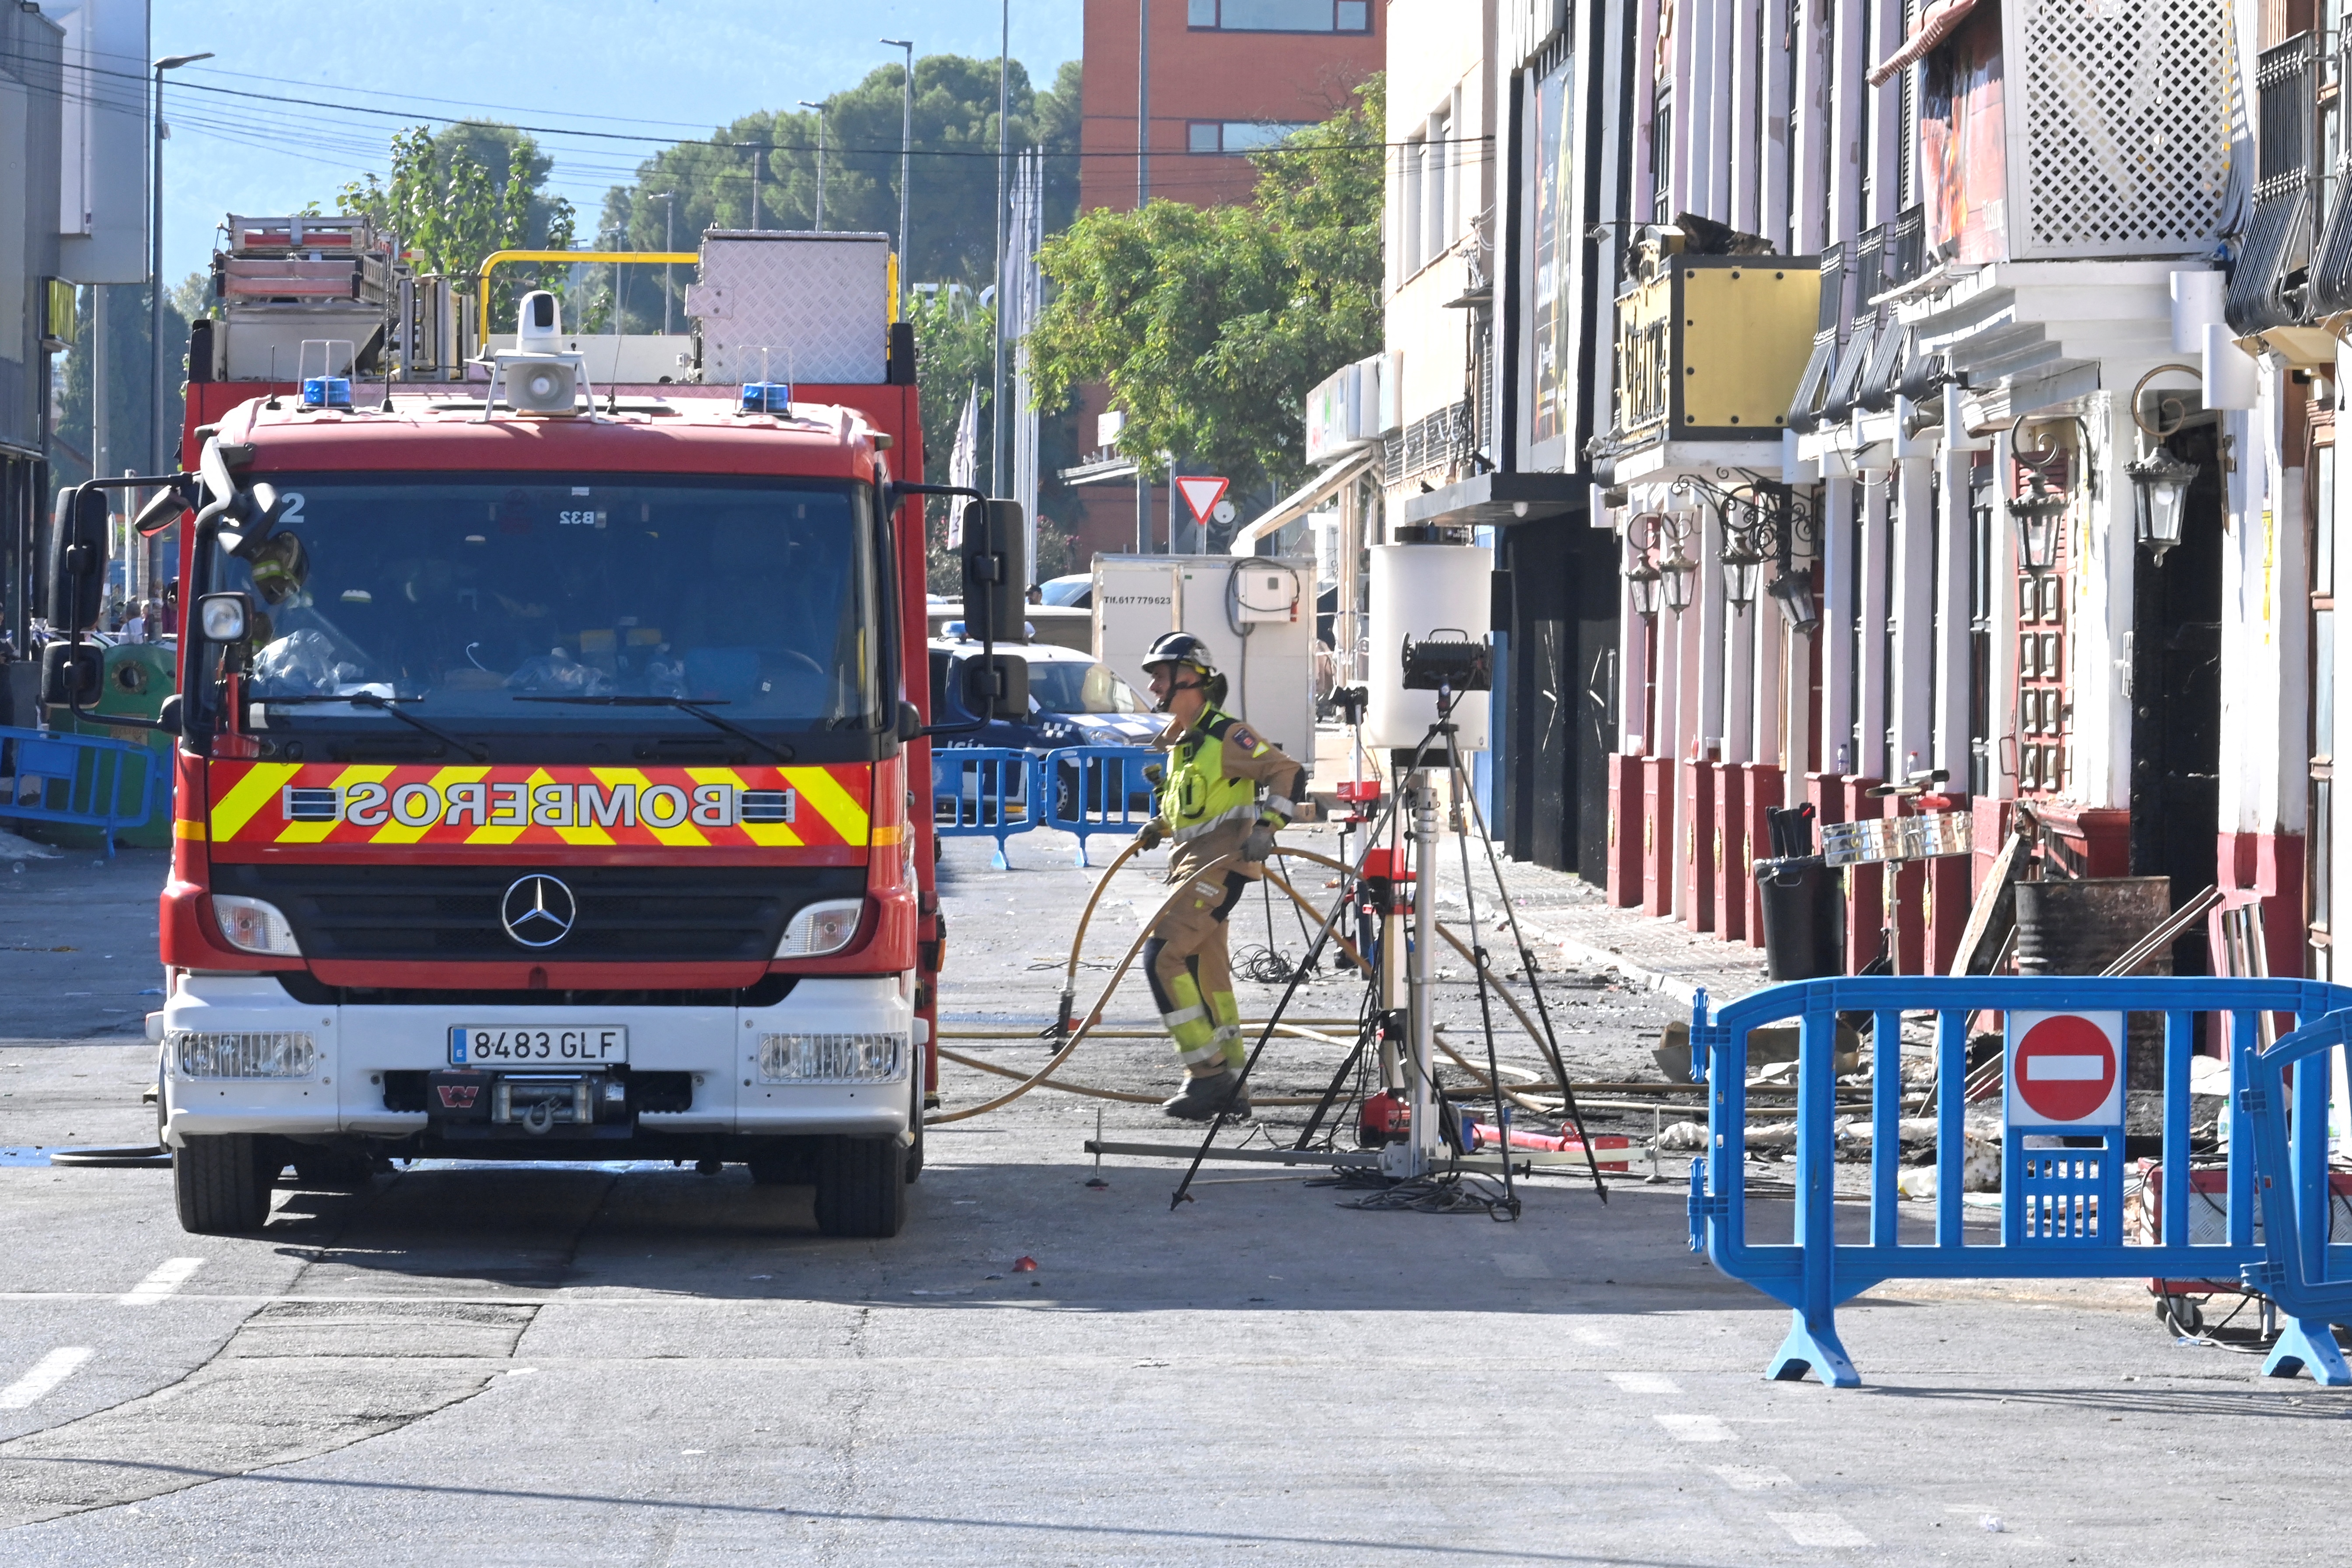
2065,1070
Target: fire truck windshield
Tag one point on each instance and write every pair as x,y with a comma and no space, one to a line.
468,594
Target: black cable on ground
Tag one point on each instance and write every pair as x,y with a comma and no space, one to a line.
1440,1191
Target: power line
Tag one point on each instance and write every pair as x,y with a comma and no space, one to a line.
877,151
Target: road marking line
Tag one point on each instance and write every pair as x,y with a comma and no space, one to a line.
1753,1477
1819,1530
1593,1337
166,1279
1644,1382
47,1372
1695,1428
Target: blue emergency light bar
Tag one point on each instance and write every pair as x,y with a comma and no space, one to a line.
766,397
326,392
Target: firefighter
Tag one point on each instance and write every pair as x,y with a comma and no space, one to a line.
1222,794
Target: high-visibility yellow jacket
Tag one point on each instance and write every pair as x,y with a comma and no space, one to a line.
1210,798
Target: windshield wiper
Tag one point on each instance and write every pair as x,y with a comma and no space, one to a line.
684,705
381,704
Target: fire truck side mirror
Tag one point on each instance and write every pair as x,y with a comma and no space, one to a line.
71,674
996,686
992,572
910,723
78,560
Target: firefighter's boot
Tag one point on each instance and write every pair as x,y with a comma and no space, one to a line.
1202,1097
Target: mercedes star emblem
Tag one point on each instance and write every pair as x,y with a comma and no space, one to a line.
538,910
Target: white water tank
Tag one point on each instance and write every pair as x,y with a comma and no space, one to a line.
1417,589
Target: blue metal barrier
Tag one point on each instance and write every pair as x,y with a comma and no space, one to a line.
1093,790
82,781
2303,1268
2063,1198
986,791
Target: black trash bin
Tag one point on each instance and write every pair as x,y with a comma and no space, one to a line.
1803,901
1804,918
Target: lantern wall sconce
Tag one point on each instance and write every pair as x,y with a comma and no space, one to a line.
1763,521
2160,479
1653,583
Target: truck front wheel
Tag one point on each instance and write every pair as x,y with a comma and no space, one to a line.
861,1186
220,1185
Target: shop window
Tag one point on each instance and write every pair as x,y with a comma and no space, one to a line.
1237,135
1279,16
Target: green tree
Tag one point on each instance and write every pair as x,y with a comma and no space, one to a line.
454,197
129,373
1211,325
710,183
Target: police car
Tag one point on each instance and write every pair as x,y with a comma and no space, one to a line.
1074,699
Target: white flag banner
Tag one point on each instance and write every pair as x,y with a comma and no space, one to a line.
963,463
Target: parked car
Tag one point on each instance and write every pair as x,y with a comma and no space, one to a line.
1074,699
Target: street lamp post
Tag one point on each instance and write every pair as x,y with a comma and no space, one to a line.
820,160
668,200
157,450
906,162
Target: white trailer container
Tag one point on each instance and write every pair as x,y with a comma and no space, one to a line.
1256,613
792,306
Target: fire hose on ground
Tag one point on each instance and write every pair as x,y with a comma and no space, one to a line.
1044,1077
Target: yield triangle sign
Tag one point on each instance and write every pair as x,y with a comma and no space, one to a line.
1203,493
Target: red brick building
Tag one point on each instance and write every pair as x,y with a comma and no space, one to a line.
1223,76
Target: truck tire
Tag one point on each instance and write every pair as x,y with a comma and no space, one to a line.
861,1186
220,1185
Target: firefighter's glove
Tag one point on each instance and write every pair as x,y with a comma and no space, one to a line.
1258,846
1151,836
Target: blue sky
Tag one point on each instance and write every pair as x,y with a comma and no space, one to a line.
665,68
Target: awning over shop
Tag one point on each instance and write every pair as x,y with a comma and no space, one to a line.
1496,500
1304,500
1937,22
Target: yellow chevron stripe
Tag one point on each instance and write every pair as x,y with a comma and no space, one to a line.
584,832
257,788
314,832
767,835
394,832
833,803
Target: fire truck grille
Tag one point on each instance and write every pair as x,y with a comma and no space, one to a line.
622,914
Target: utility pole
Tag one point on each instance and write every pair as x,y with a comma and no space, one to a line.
1003,112
668,200
1143,194
906,162
159,443
755,186
820,160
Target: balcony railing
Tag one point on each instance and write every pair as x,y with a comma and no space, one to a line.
2268,287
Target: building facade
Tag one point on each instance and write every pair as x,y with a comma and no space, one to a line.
1927,393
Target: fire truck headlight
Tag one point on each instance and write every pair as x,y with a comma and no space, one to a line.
251,926
832,1058
254,1055
821,927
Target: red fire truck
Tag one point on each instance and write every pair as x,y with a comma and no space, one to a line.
548,761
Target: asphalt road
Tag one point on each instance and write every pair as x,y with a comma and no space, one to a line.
588,1365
